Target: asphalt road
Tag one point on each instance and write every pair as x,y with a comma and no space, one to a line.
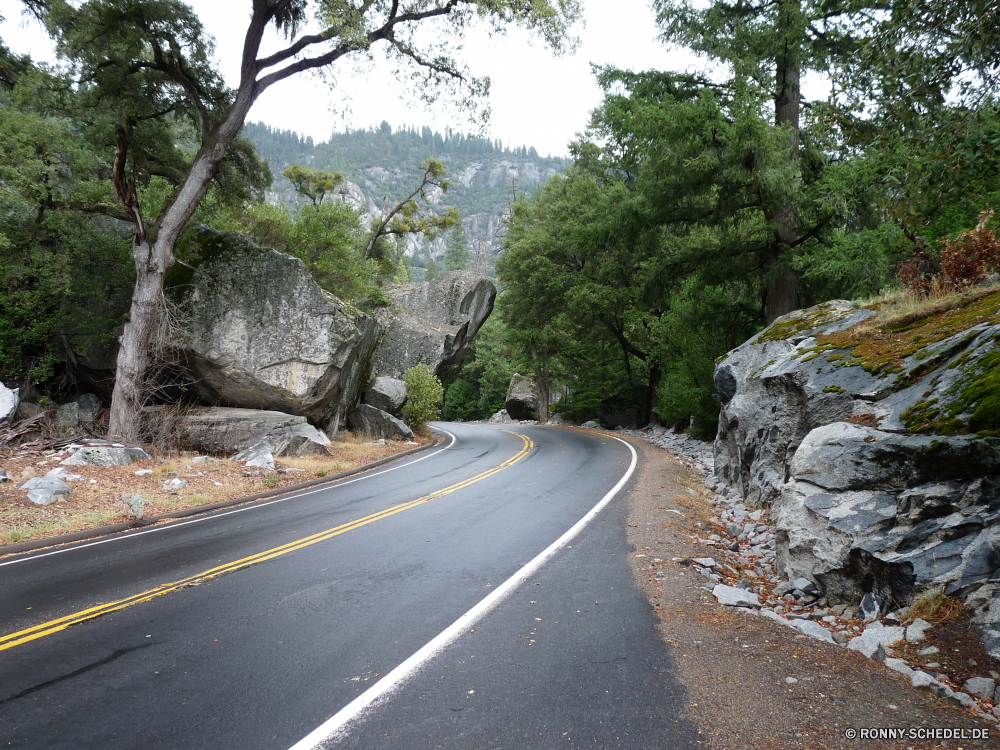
280,625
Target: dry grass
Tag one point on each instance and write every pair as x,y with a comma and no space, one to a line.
936,608
96,500
899,307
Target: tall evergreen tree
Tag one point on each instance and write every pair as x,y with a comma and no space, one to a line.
456,254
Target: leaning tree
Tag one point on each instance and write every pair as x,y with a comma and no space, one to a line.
150,62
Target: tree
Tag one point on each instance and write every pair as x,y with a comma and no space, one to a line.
313,183
456,254
407,216
432,270
145,60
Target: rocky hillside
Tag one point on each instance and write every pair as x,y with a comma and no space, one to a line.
381,164
876,442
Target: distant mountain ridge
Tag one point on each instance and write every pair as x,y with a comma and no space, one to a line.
382,166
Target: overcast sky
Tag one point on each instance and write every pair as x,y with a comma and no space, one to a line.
536,99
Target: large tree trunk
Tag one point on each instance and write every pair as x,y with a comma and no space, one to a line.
654,382
782,295
134,353
154,254
543,400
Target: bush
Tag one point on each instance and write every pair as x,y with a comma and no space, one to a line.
967,259
423,395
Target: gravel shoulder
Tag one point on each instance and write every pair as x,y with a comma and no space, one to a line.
95,496
751,682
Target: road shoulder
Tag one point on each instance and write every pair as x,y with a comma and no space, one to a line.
753,683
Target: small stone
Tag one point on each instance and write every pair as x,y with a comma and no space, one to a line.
731,596
790,680
932,665
981,687
813,629
876,638
891,619
59,472
785,587
898,665
735,546
915,631
929,651
144,472
805,585
46,490
924,681
27,473
200,460
705,562
174,484
840,638
734,529
871,607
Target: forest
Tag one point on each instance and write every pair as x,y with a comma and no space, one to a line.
697,207
702,206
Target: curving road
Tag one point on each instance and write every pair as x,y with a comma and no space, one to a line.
252,627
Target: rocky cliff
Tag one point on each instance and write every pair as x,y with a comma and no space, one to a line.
876,441
381,164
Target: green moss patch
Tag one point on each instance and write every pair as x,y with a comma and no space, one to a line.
882,350
802,322
984,393
833,389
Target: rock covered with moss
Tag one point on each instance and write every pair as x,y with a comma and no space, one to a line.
877,442
253,329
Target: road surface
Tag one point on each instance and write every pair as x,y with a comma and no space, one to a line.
334,617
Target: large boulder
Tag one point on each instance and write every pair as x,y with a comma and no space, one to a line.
522,398
877,442
227,430
432,323
870,510
103,453
378,424
387,394
253,329
8,402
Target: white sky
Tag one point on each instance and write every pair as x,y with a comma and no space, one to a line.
536,99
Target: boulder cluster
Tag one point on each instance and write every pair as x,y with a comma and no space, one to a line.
740,571
868,446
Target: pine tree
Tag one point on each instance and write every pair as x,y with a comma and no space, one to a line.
456,254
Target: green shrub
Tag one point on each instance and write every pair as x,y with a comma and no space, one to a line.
423,395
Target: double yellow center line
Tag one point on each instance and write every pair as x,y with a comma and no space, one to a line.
54,626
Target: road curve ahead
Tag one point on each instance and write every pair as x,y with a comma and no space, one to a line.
252,627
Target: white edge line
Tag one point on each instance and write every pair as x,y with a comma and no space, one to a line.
337,725
120,536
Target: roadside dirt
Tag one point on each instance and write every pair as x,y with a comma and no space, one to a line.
752,683
95,499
